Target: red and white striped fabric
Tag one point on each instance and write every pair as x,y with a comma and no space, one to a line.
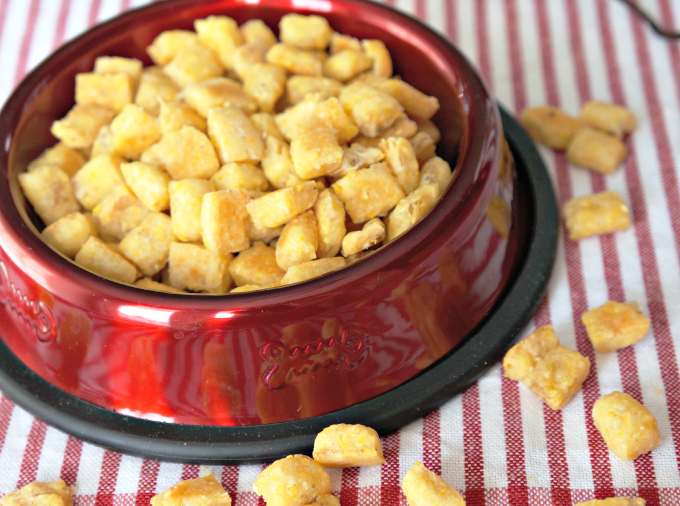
496,443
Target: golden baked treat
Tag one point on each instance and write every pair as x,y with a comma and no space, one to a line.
615,325
614,501
613,119
596,214
557,377
596,150
292,481
424,488
345,445
522,357
206,491
549,125
628,428
55,493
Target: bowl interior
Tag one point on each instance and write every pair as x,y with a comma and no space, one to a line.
419,58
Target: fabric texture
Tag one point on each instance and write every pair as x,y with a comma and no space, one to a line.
496,443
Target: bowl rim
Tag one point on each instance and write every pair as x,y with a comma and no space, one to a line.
29,249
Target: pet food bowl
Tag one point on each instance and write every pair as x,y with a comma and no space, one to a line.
252,376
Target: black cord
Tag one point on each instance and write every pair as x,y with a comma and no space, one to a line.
664,32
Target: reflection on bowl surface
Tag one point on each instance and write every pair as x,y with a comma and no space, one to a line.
283,354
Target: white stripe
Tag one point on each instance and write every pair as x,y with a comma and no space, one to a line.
466,29
247,476
89,470
43,33
128,475
535,442
410,446
77,18
499,56
436,15
51,455
10,44
493,433
452,451
13,449
109,9
169,474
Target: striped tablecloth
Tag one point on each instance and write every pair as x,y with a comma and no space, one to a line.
496,443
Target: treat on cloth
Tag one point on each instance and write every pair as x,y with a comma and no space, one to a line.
521,358
345,445
292,481
55,493
424,488
557,377
206,491
628,428
615,325
596,214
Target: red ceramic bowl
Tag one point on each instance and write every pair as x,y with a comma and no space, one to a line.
282,354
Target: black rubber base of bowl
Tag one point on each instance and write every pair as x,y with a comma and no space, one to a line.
386,413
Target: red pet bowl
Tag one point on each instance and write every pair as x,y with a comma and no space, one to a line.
256,375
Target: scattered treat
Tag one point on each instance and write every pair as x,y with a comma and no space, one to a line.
424,488
522,357
597,151
237,142
613,119
615,325
295,480
36,493
596,214
206,491
327,500
614,501
627,427
549,125
345,445
557,377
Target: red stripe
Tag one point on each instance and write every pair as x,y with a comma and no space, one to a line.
483,38
32,451
432,442
557,457
60,31
33,11
515,49
148,478
421,9
230,479
190,471
390,487
650,270
6,410
71,462
451,19
349,487
518,491
612,269
108,479
94,12
124,5
472,448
